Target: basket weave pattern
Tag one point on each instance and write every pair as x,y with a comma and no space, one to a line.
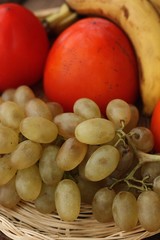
25,222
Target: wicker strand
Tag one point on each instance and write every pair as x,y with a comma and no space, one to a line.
25,222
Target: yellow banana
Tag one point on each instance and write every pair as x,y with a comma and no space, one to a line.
57,19
141,23
156,4
63,12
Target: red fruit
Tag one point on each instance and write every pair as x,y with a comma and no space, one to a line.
24,46
92,58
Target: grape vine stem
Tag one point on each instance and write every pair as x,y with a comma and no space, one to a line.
142,158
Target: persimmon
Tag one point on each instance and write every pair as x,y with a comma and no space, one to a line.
154,126
24,46
92,58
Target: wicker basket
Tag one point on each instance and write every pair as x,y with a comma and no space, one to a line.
26,223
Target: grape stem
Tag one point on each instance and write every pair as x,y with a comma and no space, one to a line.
146,157
132,182
142,158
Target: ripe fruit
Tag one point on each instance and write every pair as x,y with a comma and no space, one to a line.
154,126
23,47
93,58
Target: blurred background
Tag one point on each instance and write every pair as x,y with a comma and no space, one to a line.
14,1
35,4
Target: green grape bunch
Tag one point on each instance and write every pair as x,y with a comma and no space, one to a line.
59,160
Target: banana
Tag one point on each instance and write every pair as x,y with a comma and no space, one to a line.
141,23
156,4
63,12
66,22
57,19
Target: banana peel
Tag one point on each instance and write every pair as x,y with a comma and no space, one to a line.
57,19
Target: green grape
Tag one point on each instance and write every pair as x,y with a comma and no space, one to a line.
71,154
48,168
81,166
23,94
8,94
37,107
87,189
125,162
118,111
133,120
102,204
45,202
28,183
8,194
150,170
8,139
156,185
149,210
26,154
125,210
86,108
102,163
67,200
95,131
6,170
66,123
55,108
38,129
142,138
11,114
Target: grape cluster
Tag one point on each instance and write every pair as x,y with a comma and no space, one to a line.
58,160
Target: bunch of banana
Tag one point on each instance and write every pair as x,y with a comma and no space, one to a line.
141,22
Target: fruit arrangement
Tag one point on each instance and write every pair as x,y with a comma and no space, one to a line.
62,148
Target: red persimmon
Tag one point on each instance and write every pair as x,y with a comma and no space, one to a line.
155,125
92,58
24,46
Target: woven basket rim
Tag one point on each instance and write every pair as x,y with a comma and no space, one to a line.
25,222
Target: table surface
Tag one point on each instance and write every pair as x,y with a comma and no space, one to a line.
35,5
